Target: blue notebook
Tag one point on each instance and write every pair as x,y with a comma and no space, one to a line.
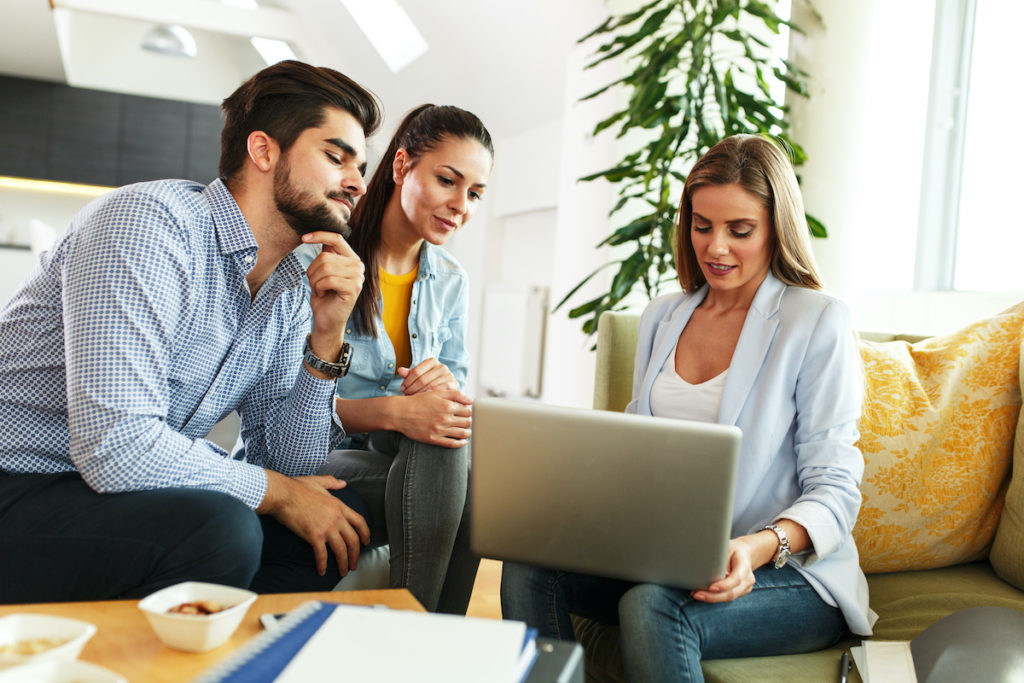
323,641
263,658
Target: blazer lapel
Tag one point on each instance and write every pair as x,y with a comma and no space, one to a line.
755,338
666,336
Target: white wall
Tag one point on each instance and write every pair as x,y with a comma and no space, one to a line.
541,226
18,208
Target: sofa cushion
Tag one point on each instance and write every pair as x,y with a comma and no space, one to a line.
937,437
1007,555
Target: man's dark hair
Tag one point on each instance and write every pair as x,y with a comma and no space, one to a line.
285,99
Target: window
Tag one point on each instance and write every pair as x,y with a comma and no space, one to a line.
971,172
990,230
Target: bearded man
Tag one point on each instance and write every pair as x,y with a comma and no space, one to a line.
165,307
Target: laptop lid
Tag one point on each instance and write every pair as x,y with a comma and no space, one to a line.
641,498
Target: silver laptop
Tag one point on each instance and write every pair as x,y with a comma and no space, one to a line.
640,498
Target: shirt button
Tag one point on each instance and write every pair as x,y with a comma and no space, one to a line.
382,387
414,302
391,365
413,335
348,331
248,259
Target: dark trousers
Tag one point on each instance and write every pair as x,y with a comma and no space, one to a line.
62,541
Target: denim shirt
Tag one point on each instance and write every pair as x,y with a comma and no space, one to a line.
438,316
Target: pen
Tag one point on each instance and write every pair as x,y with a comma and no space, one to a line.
844,667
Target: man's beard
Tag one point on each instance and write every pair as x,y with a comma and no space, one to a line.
302,211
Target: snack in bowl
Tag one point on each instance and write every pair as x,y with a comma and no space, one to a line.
197,607
174,614
27,637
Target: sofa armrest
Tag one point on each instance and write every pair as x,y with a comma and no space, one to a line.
616,350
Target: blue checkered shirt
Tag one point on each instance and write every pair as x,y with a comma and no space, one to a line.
136,334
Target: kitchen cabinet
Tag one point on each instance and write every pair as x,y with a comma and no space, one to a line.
24,121
82,136
52,131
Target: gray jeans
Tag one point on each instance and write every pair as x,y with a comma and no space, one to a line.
418,496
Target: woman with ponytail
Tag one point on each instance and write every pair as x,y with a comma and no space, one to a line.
402,402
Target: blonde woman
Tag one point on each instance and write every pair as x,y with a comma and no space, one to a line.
750,341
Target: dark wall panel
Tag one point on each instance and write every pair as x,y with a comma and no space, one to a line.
83,136
204,124
24,120
152,140
52,131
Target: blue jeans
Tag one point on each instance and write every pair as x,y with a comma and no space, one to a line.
664,633
418,496
62,541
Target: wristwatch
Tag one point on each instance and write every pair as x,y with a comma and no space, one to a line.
339,369
782,554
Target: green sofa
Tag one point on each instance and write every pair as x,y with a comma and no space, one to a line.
907,601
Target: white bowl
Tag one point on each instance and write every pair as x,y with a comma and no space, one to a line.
18,627
59,671
196,632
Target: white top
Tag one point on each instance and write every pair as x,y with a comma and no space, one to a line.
672,396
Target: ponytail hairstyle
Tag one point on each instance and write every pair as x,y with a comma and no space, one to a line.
422,129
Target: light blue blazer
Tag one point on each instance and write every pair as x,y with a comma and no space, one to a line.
794,388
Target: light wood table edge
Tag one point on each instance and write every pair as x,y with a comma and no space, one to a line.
125,643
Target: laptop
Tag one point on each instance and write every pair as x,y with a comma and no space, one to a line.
640,498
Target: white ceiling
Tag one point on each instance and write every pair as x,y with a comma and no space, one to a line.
503,59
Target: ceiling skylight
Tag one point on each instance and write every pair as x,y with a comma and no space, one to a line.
271,50
389,29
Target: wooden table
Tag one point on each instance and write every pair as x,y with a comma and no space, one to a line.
125,643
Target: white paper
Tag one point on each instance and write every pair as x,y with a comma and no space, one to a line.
887,661
366,644
860,660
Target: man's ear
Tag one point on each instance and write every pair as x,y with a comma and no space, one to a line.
400,166
263,150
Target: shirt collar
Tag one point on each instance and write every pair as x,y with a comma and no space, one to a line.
234,235
428,261
233,231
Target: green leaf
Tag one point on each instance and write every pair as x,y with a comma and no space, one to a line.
601,90
610,121
588,307
626,278
816,227
623,43
628,233
617,22
766,13
613,174
623,200
794,83
581,283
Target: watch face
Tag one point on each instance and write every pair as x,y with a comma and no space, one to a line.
781,558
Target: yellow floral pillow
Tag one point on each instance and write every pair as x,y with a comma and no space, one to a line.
937,437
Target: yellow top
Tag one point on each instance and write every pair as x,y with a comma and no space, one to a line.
396,295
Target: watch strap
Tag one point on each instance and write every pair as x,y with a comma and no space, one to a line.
336,370
781,555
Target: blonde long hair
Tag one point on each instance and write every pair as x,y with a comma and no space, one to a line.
760,167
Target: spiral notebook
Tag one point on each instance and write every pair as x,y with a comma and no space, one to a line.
321,641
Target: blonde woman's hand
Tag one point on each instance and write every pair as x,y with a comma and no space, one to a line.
739,575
